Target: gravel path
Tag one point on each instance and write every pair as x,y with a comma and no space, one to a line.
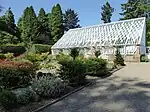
128,90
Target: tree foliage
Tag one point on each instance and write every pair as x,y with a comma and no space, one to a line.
8,22
8,28
45,35
134,9
74,53
107,11
46,28
57,28
118,58
71,20
29,26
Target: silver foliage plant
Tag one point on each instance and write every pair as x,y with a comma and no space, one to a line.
48,86
24,95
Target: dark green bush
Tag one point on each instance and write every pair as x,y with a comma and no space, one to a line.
16,49
144,58
8,99
97,53
96,67
72,71
118,59
15,74
74,53
42,48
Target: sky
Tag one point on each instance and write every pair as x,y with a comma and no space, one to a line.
89,11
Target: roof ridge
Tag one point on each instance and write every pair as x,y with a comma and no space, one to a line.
103,24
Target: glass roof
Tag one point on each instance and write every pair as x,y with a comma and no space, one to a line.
127,32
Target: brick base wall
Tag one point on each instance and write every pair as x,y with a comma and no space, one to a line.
127,58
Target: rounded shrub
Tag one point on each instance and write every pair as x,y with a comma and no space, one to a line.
96,67
72,71
24,95
48,86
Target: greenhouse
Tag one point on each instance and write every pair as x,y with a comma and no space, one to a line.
127,35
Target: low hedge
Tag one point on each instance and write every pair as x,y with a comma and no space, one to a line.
42,48
15,74
10,48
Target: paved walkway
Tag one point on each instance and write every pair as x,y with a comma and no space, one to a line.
128,90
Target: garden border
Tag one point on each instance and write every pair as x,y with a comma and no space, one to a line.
61,98
70,93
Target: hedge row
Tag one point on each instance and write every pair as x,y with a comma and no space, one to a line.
42,48
20,49
11,48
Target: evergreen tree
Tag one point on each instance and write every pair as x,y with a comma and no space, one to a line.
45,36
10,22
3,25
134,9
29,26
57,28
106,14
118,58
74,53
19,24
71,20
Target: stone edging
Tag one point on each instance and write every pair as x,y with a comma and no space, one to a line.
116,69
68,94
61,98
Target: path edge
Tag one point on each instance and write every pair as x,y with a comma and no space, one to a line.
61,98
68,94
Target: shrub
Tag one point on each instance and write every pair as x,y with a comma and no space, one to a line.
16,49
74,53
23,95
144,58
9,55
42,48
8,99
97,53
33,57
15,74
48,86
72,71
118,59
62,57
2,56
96,66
